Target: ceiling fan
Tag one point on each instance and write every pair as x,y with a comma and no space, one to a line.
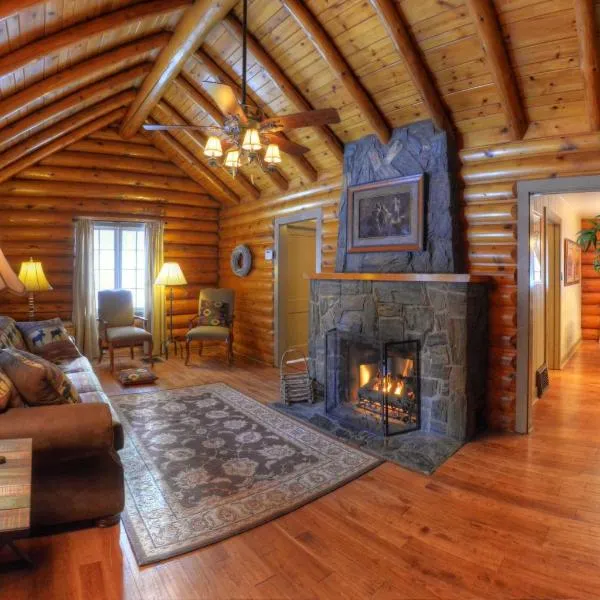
246,131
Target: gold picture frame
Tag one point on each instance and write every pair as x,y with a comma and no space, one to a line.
572,263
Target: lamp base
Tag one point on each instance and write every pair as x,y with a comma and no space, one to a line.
31,313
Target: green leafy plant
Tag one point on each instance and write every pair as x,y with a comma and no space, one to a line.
588,238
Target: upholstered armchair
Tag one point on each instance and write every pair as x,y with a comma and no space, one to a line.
118,326
214,321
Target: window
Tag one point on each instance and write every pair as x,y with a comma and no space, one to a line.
120,259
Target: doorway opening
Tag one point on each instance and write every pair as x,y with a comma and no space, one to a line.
556,303
297,256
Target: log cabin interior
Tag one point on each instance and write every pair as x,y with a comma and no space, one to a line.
297,299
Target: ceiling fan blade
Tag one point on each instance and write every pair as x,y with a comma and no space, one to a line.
225,98
150,127
286,145
309,118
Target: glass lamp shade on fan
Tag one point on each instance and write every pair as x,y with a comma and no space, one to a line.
170,276
34,280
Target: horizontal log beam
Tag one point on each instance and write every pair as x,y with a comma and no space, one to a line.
190,32
65,38
12,7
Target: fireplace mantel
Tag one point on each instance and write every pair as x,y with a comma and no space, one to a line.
409,277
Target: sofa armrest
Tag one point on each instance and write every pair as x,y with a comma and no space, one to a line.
61,431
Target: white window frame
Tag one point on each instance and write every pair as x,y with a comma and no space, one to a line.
120,226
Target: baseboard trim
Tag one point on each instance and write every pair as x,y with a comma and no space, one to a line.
570,353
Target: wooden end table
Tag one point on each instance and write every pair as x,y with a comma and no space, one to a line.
15,495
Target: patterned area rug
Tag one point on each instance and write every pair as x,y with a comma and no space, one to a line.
204,463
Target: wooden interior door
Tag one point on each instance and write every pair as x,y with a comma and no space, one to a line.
553,295
297,252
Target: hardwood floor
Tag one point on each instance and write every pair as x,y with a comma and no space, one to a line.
507,517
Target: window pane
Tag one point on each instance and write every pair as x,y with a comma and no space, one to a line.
106,259
140,279
128,258
107,280
128,279
128,240
139,300
107,239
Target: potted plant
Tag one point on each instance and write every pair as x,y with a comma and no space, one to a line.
588,238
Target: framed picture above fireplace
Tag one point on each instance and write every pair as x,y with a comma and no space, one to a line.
386,216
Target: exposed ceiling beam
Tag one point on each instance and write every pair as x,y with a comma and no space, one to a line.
168,115
288,89
71,104
62,128
79,75
11,7
406,46
192,29
94,119
77,33
587,34
188,163
488,30
339,66
216,71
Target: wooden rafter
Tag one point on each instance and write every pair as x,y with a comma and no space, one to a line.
11,7
71,104
587,36
216,71
81,31
486,23
188,163
79,75
288,89
168,115
192,29
63,134
392,20
339,66
195,92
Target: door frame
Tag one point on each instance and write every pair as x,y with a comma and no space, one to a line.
525,189
304,215
553,219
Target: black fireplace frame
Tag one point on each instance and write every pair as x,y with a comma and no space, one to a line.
384,349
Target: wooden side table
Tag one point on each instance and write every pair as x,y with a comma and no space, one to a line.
15,495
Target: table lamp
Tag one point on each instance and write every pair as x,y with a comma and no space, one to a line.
33,278
171,275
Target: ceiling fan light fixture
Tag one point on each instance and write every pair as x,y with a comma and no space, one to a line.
251,142
232,159
272,155
213,148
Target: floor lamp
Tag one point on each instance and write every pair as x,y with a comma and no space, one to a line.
33,278
170,275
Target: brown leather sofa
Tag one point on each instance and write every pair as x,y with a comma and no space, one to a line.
77,473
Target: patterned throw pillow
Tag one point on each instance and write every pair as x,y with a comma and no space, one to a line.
48,339
9,396
37,380
10,336
214,313
136,376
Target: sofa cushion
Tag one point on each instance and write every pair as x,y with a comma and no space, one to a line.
208,332
73,365
9,395
85,381
48,339
38,381
214,313
95,397
125,334
10,336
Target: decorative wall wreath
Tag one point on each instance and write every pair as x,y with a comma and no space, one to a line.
241,260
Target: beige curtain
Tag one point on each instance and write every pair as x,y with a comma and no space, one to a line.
155,294
84,293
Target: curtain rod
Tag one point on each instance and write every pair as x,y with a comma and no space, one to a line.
120,219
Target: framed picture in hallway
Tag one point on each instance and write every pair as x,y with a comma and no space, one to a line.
386,216
572,262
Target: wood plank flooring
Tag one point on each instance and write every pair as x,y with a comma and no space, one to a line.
507,517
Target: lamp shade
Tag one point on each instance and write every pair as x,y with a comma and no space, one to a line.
272,155
8,278
232,159
213,148
32,276
251,140
170,274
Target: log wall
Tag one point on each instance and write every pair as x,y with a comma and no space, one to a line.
107,178
590,294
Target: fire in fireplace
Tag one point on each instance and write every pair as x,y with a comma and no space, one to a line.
376,384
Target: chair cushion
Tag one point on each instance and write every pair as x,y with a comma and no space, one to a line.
9,395
208,332
10,336
115,307
218,295
214,313
38,381
125,334
48,339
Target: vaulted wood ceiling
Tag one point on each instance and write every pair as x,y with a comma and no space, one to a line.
496,71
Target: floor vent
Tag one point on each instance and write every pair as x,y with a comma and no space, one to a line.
541,380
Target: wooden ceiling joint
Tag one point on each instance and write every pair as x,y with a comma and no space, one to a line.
325,46
8,8
192,29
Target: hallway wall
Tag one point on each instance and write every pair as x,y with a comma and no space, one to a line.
590,296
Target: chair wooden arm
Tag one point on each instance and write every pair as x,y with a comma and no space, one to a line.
103,326
143,319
